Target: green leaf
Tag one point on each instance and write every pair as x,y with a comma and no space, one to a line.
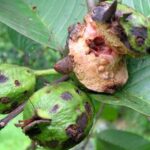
141,5
12,138
44,21
121,140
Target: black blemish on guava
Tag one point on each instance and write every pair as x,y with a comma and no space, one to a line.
17,83
48,91
3,78
55,108
4,100
74,132
66,96
82,121
78,91
140,34
52,144
88,108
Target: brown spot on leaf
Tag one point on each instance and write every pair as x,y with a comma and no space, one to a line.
3,78
66,96
4,100
55,108
82,121
74,132
17,83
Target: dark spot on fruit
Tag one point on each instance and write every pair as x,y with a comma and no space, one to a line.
28,71
66,96
74,132
3,78
4,100
78,91
88,108
55,108
52,144
82,121
17,83
48,91
140,34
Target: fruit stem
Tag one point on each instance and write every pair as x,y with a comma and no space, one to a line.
10,116
45,72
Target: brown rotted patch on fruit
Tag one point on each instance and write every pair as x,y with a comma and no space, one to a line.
74,132
66,96
82,121
3,78
55,108
140,34
17,83
88,108
4,100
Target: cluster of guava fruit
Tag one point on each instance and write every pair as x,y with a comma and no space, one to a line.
60,115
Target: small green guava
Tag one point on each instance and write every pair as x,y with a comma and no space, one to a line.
16,84
58,116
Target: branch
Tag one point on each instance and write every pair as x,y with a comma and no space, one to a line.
10,116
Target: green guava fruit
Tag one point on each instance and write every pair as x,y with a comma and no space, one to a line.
58,116
16,84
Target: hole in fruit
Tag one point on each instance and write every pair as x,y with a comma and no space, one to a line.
98,46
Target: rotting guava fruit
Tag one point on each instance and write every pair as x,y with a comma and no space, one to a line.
16,84
96,55
58,116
